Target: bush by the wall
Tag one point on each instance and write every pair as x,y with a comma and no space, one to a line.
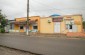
2,30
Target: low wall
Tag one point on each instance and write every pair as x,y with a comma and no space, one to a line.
77,34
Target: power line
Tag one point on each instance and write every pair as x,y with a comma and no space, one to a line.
45,5
63,10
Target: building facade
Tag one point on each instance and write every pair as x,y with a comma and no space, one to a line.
52,24
61,24
19,24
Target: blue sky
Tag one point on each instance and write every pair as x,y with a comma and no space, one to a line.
17,8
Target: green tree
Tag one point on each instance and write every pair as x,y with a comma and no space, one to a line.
84,24
2,22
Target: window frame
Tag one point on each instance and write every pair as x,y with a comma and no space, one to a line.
35,28
11,26
21,28
69,26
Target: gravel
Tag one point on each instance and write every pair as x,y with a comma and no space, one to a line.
10,51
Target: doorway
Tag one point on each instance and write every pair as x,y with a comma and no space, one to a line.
57,27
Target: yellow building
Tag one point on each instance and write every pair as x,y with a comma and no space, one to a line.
61,24
52,24
19,24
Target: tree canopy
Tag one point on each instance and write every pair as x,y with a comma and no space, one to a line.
2,22
84,24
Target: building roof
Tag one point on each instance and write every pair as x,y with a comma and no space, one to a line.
23,22
64,15
55,15
26,17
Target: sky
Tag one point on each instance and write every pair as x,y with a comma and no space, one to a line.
18,8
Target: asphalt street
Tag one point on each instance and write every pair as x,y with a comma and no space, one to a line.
45,45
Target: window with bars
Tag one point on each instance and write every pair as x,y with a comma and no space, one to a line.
21,27
69,26
35,27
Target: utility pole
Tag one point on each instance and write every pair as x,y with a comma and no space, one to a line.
27,31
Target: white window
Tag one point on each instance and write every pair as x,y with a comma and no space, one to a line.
69,26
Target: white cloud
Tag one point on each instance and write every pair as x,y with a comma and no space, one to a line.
17,8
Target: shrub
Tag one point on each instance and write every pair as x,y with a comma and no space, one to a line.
2,30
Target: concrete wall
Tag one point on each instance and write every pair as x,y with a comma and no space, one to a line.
16,27
46,27
77,21
38,21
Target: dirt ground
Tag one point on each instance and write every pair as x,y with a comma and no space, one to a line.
9,51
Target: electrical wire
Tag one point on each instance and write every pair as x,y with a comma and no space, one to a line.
53,9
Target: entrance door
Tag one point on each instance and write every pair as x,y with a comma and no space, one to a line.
70,28
57,27
74,28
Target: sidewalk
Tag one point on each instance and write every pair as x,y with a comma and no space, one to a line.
69,35
35,34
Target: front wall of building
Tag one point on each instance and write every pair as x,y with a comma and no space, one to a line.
63,27
17,26
21,19
77,21
38,22
46,27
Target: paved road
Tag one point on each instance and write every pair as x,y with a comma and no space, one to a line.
9,51
45,46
